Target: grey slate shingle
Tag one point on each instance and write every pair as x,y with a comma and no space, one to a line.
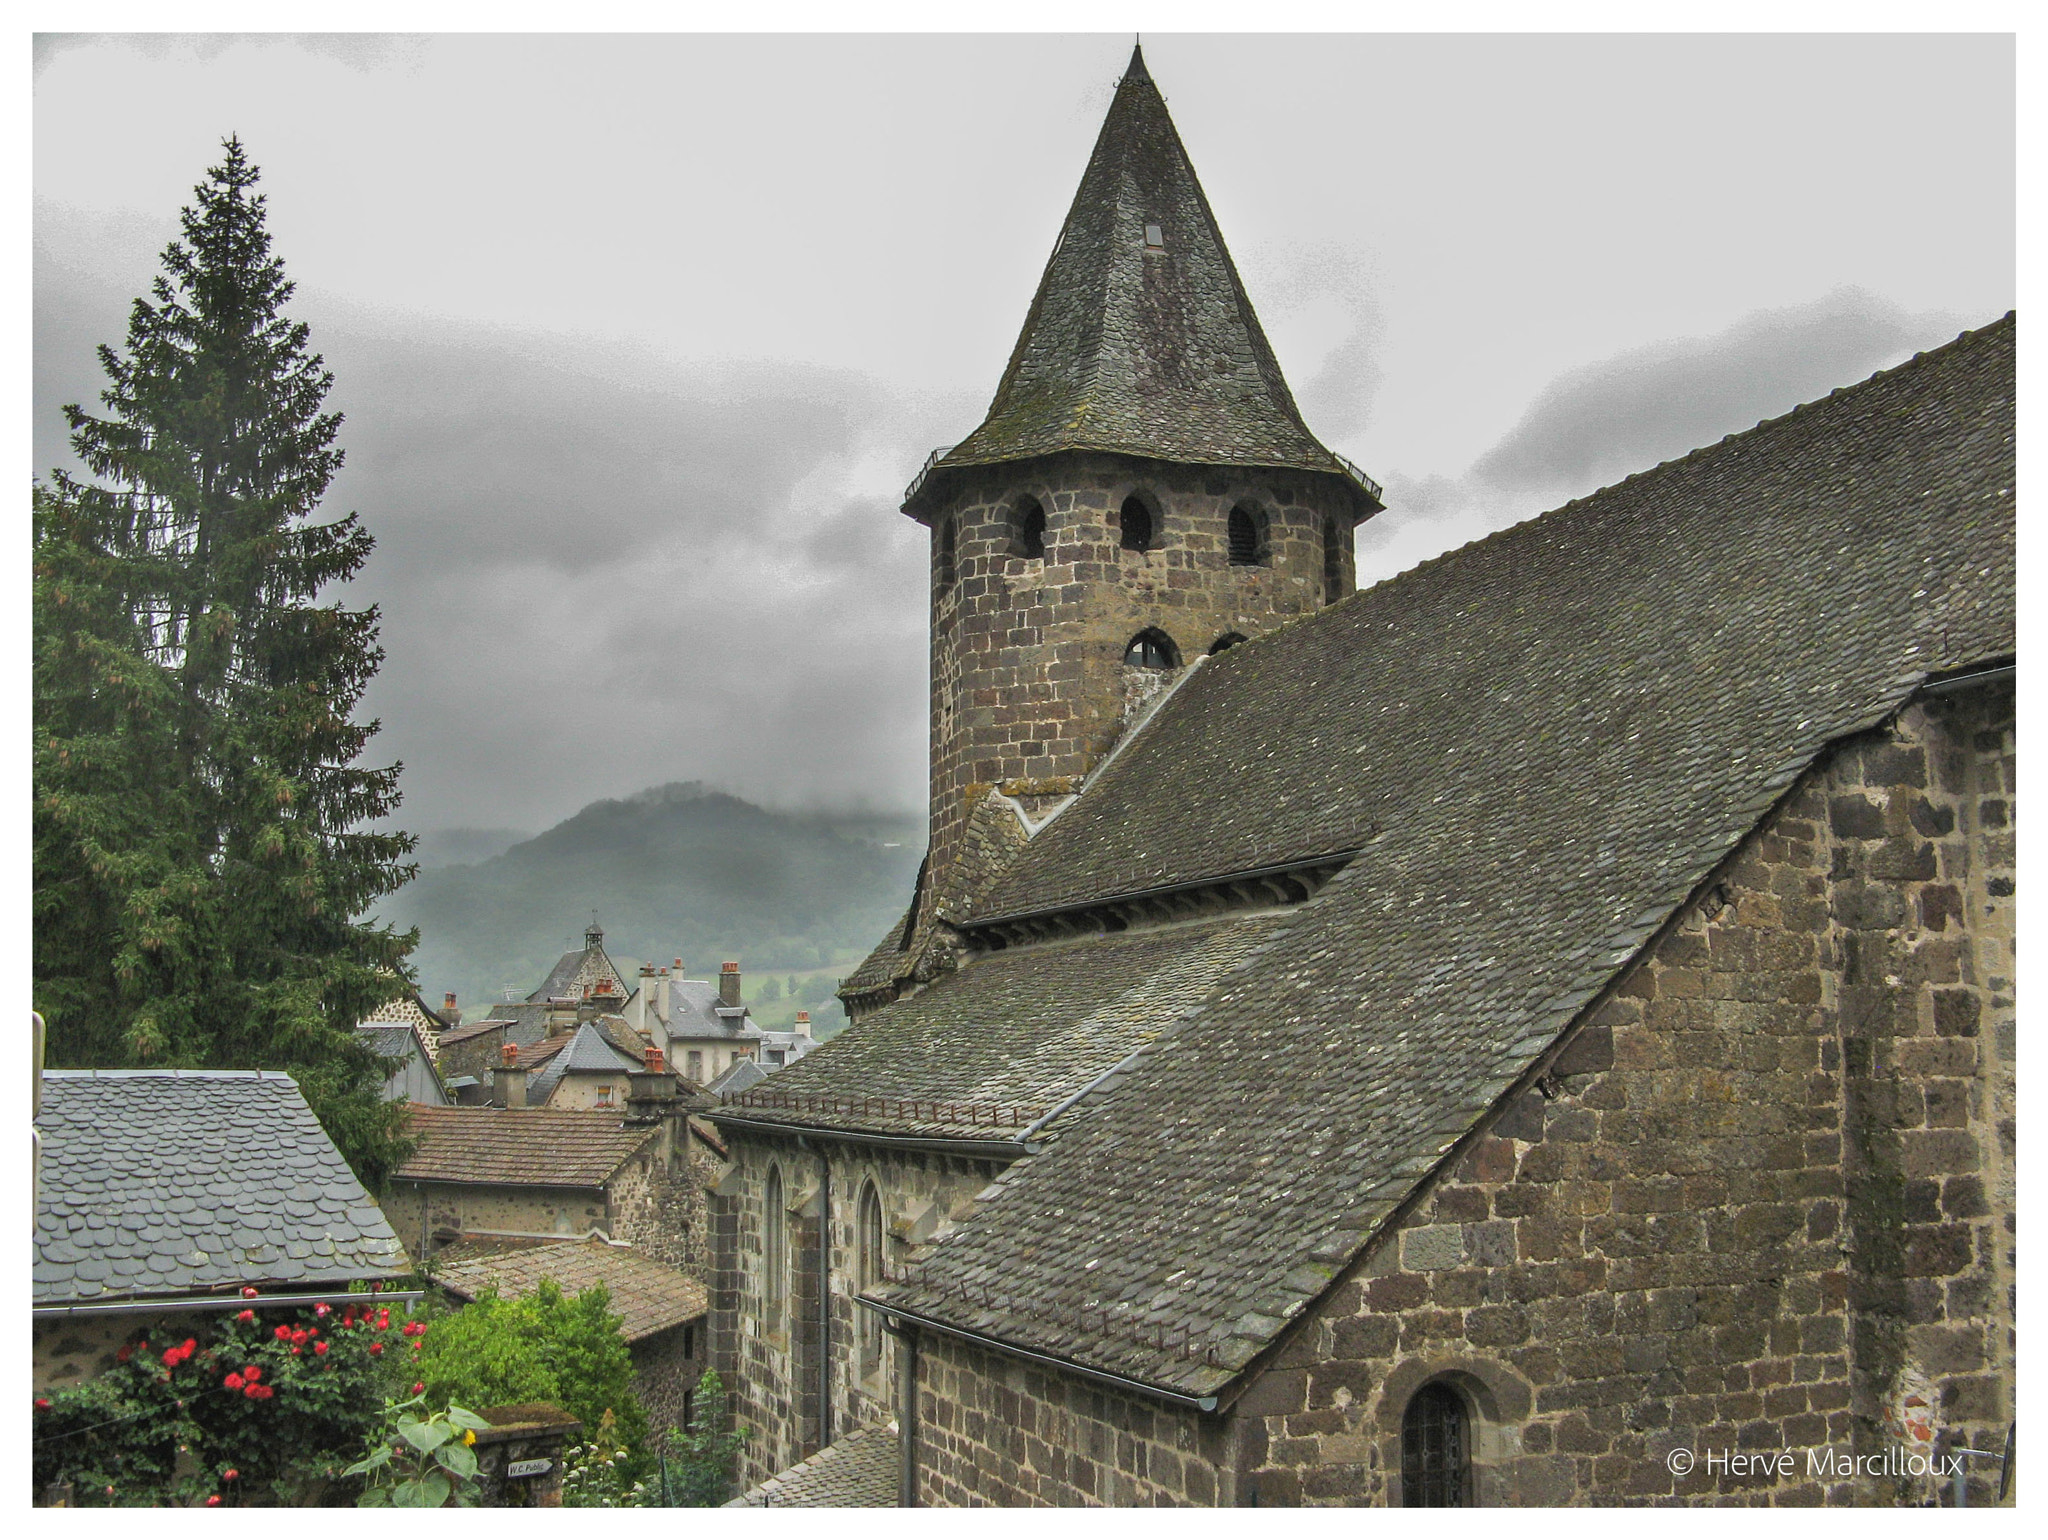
1542,742
134,1171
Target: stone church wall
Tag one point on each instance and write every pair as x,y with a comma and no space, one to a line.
1760,1203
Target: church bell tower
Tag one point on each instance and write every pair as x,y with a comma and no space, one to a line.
1142,492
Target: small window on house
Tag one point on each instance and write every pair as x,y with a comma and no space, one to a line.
689,1351
1436,1449
1151,649
1028,524
1155,238
868,1264
946,554
1134,526
689,1407
1247,537
1224,643
604,1096
1333,561
697,1065
774,1252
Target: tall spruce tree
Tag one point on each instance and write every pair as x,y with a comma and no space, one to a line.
200,819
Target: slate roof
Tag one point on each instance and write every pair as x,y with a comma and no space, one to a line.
1002,1042
390,1040
519,1146
694,1014
588,965
1145,352
164,1182
859,1470
740,1075
1542,742
647,1296
591,1050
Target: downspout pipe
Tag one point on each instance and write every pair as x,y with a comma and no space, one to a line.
824,1299
906,1410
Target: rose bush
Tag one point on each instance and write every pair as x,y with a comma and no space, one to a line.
279,1399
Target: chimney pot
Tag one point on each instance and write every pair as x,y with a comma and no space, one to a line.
510,1055
654,1064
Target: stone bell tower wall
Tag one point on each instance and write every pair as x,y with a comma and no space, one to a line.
1028,680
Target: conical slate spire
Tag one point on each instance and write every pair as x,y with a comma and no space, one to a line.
1141,340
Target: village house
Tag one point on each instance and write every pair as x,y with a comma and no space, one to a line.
408,1009
1454,1043
660,1308
413,1077
169,1192
707,1027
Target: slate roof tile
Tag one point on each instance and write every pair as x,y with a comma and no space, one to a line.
1538,744
140,1168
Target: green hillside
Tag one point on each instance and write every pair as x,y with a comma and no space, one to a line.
678,871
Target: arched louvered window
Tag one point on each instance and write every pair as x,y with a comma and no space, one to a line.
1151,649
1333,561
946,555
1225,642
869,1272
774,1253
1027,520
1436,1449
1247,537
1134,523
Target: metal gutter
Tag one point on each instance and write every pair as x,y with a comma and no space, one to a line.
1065,1365
176,1302
1965,678
997,1149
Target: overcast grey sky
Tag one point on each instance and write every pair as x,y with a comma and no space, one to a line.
639,338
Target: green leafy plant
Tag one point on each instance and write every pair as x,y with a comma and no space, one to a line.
699,1459
420,1458
258,1407
542,1346
594,1472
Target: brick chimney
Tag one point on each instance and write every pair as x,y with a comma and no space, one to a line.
654,1061
450,1011
510,1081
729,984
803,1023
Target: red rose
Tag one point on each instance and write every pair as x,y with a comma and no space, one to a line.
418,1389
43,1402
253,1392
298,1337
318,1347
233,1382
229,1474
188,1347
246,1315
265,1392
283,1334
248,1291
376,1347
322,1310
251,1373
213,1501
297,1351
124,1355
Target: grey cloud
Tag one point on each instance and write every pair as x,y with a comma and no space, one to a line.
1608,419
1334,285
1595,425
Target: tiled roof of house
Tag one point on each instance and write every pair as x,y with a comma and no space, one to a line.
647,1296
1141,349
695,1014
519,1146
1540,744
159,1182
1005,1040
857,1470
590,1049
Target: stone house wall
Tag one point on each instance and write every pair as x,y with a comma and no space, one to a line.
666,1367
419,1211
1760,1202
71,1349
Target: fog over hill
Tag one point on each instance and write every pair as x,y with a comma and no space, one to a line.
675,871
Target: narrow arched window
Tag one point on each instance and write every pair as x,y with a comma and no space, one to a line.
869,1271
1225,642
1436,1449
1134,525
1333,561
945,555
774,1252
1151,649
1247,537
1028,523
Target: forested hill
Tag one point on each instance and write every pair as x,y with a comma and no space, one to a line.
677,871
